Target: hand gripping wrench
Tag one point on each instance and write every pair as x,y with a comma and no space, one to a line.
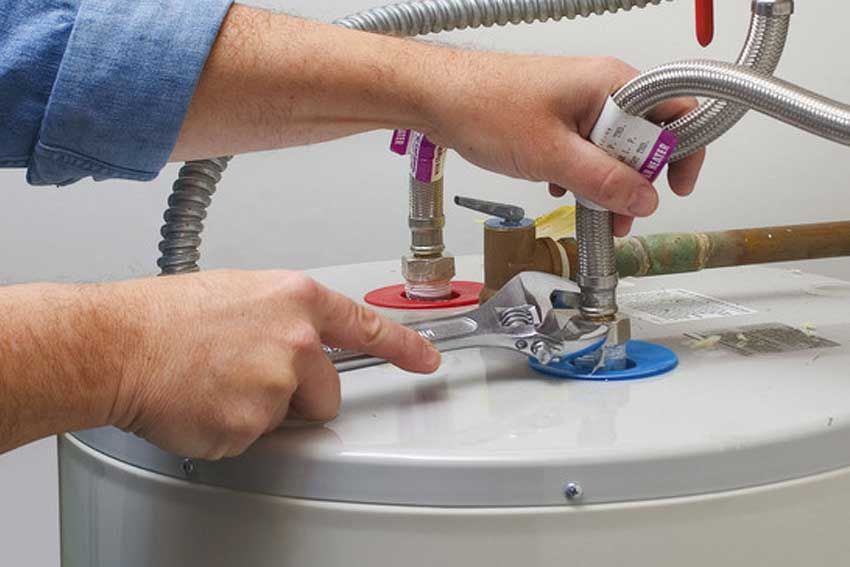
522,316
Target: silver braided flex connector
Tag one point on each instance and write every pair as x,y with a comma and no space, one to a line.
597,268
762,51
426,271
426,217
784,101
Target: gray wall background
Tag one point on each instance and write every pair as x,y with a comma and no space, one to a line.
299,208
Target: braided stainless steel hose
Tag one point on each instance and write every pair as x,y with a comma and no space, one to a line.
187,208
779,99
427,272
762,51
597,269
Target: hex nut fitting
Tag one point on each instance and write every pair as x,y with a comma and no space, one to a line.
416,269
621,330
773,8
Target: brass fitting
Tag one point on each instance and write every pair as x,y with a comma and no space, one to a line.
428,277
419,269
509,250
427,272
621,330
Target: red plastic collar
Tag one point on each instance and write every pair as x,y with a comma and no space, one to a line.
393,297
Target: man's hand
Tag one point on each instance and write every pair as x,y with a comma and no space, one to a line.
274,81
223,357
530,117
200,365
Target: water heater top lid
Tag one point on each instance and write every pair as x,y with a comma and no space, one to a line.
485,430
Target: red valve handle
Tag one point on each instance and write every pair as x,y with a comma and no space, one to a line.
705,21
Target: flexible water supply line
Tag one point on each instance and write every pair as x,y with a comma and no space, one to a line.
596,272
779,99
762,51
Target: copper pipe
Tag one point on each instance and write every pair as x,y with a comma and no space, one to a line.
510,251
690,252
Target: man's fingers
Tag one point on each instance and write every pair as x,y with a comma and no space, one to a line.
622,225
556,191
589,172
350,325
682,175
318,395
671,110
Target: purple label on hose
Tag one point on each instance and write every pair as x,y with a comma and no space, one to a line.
426,160
423,160
400,142
659,155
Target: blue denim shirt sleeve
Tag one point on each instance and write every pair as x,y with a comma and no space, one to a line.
99,88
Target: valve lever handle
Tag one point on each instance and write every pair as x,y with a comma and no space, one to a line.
511,214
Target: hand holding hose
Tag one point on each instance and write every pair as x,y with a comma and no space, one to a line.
530,117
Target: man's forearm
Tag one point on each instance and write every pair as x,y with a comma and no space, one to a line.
57,372
200,364
275,81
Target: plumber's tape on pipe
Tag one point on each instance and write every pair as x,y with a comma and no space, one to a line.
635,141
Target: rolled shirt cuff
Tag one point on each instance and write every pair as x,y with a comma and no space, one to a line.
123,87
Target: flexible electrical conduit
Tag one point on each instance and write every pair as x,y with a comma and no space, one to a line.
435,16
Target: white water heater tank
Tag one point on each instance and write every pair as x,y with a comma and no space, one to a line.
739,457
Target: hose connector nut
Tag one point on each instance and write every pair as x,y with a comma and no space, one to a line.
425,269
620,331
771,8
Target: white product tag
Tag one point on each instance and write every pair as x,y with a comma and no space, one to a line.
640,144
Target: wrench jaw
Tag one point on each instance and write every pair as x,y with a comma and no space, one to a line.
549,325
522,317
531,288
560,335
566,332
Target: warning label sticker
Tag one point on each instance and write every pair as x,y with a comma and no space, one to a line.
768,338
668,306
